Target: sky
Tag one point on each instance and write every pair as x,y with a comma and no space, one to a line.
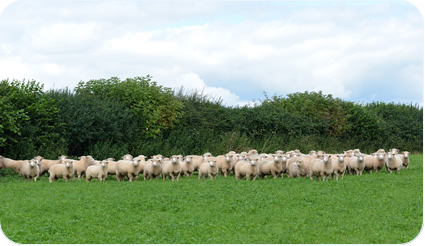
359,51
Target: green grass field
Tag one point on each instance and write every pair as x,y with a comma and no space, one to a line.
373,208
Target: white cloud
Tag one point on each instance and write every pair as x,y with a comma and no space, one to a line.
337,48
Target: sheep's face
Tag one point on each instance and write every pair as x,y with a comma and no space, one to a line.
360,157
406,154
104,163
394,151
212,163
390,156
33,163
326,158
299,162
253,161
188,159
155,162
380,156
227,157
174,160
340,158
127,157
136,163
68,164
62,157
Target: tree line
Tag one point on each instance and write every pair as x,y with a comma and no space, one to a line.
112,117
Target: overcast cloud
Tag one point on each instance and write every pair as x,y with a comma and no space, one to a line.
236,50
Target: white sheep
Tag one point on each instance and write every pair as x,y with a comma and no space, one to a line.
294,169
321,168
81,165
356,164
45,164
97,171
374,162
152,169
394,162
247,168
405,159
271,167
15,165
208,169
224,164
339,167
30,169
171,168
186,166
142,164
128,169
65,171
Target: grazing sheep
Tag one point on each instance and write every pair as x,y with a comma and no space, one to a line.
65,171
30,169
394,162
81,165
357,164
46,164
171,168
267,167
247,168
224,164
405,159
128,169
208,169
15,165
186,166
339,166
374,162
321,168
99,171
152,169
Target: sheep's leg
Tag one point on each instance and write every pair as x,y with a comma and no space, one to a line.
178,176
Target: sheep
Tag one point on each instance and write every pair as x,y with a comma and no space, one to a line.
279,152
394,162
81,166
374,162
405,159
339,166
247,168
394,151
30,169
224,164
152,169
186,166
312,153
357,164
65,171
171,168
46,164
142,159
196,160
15,165
127,157
208,169
294,169
111,166
252,152
99,171
130,169
274,167
321,167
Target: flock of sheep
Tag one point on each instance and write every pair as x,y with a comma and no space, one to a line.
244,165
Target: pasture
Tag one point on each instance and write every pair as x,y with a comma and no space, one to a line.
373,208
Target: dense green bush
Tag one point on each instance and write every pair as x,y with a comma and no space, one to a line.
112,117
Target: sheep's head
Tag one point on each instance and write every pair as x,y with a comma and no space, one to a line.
313,152
253,160
380,156
40,158
212,163
360,157
174,160
390,155
228,157
127,157
110,159
188,159
33,163
156,162
206,155
142,157
104,163
136,162
69,164
299,162
340,158
406,154
326,158
279,152
62,157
